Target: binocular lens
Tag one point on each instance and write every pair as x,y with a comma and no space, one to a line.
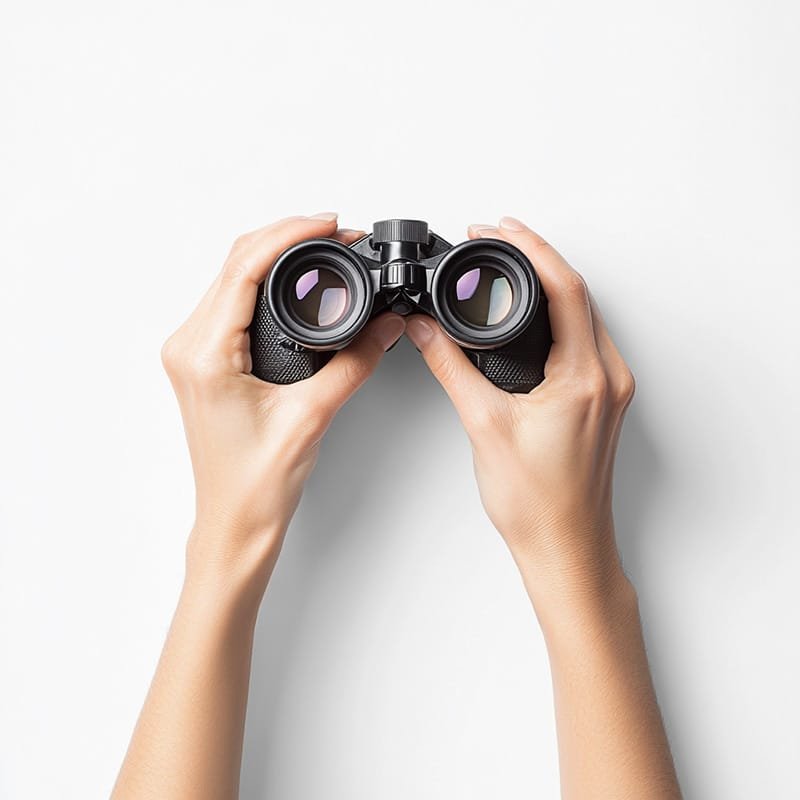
483,296
484,293
319,297
320,294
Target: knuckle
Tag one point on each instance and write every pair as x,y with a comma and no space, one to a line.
625,388
200,368
236,263
573,285
235,269
170,354
482,418
594,384
308,420
241,243
186,363
538,243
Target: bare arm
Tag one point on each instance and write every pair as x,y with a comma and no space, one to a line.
252,445
544,463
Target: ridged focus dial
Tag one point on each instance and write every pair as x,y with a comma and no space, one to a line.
400,230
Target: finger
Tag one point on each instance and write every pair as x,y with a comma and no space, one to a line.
348,235
345,235
201,309
568,299
347,371
248,264
470,392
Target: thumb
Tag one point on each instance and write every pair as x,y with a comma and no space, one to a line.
347,371
465,385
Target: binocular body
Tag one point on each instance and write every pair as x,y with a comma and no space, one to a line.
484,293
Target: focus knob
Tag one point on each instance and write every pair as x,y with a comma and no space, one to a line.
400,230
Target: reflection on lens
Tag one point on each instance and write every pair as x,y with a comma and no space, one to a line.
319,298
483,296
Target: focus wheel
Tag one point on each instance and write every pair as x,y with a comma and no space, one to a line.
400,230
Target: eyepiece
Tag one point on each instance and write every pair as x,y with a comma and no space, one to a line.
319,294
485,293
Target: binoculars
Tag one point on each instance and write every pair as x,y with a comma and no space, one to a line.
484,293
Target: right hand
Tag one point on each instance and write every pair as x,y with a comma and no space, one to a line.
544,460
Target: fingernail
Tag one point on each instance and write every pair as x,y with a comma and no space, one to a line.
325,216
511,224
480,229
419,331
390,330
350,230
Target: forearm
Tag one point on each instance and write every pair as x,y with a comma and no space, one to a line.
253,445
188,740
611,737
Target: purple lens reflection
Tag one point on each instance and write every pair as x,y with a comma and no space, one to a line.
305,283
320,298
483,296
468,283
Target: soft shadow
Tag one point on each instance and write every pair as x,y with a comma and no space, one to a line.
637,475
355,456
642,477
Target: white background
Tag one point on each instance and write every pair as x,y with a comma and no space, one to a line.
656,144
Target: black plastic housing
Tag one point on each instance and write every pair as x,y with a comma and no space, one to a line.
403,268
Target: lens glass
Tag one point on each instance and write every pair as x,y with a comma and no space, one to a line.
483,296
319,297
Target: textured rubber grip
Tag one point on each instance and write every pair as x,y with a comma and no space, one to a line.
273,361
519,366
400,230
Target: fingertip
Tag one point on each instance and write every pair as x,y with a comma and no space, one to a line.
348,235
353,365
419,330
322,224
513,224
387,329
517,232
475,231
450,366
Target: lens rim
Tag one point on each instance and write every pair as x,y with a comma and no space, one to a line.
515,267
342,261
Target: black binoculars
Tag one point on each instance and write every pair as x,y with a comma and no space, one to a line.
484,293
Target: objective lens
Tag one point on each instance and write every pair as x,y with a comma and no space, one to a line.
483,296
319,297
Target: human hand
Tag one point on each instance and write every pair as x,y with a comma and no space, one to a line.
253,444
544,460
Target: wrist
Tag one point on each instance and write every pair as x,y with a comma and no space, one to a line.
578,585
231,564
574,617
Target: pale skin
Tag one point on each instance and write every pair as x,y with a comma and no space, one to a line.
544,465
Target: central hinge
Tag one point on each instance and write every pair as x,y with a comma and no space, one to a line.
407,277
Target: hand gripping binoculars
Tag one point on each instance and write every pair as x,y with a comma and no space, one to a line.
484,293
